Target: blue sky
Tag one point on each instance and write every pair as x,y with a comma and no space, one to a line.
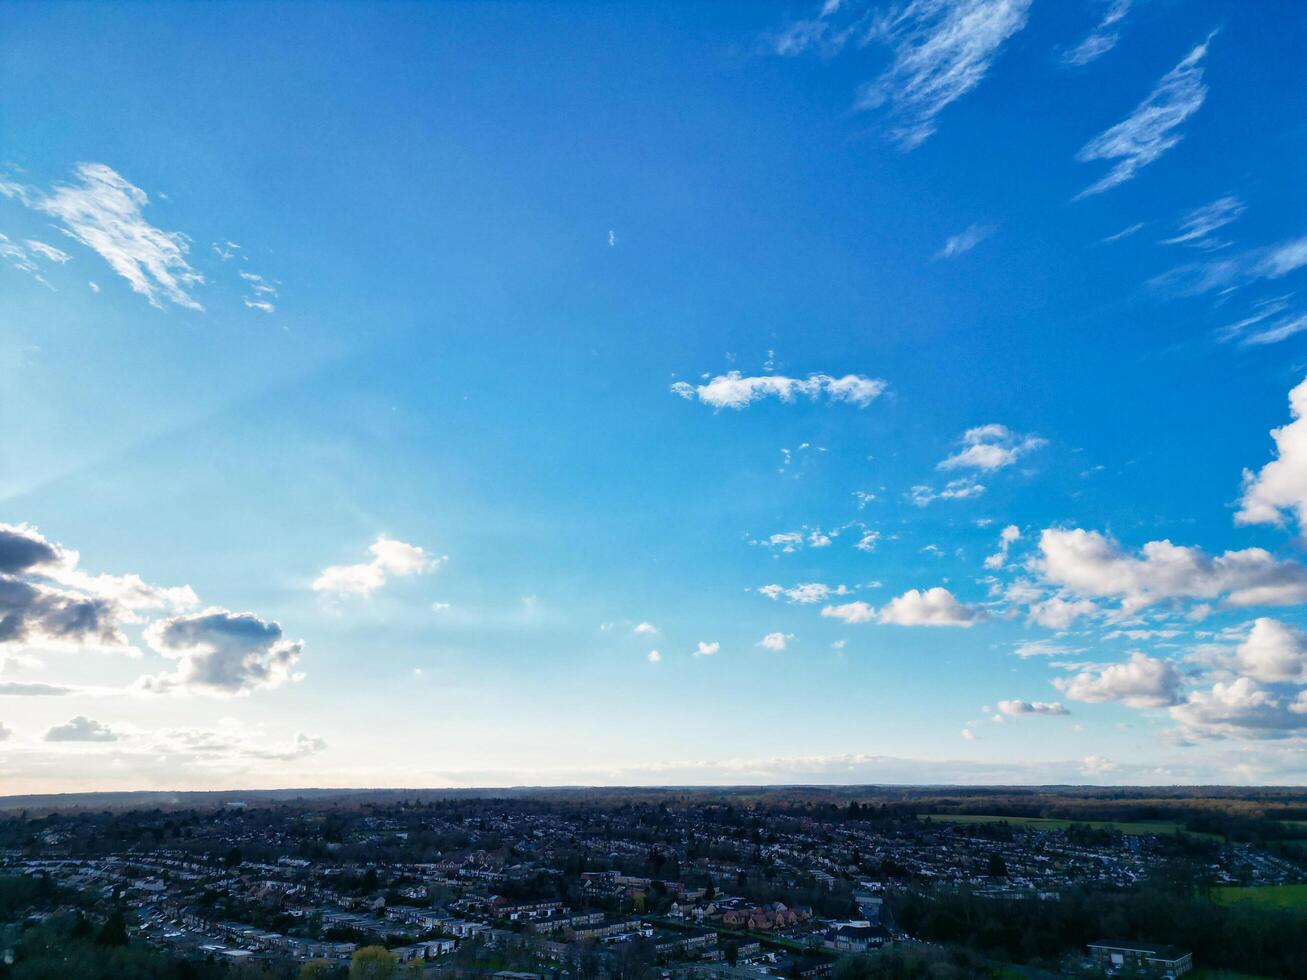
383,385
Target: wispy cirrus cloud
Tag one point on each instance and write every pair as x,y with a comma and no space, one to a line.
1151,129
964,488
104,211
733,390
1197,226
965,240
1102,38
942,49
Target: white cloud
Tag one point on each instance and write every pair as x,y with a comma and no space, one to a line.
932,607
964,241
1125,232
1140,682
1102,39
707,649
851,612
1150,130
1057,613
645,629
390,558
963,488
654,657
262,292
81,729
21,259
776,642
942,49
1240,708
804,594
968,734
1006,538
1040,648
1273,652
991,447
1032,708
5,731
867,542
33,690
1280,486
48,252
732,390
1097,765
103,211
1197,226
222,652
1088,563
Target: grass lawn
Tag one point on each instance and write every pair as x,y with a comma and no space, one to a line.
1273,896
1049,823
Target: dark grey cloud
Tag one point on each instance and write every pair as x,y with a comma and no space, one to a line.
223,652
22,548
29,611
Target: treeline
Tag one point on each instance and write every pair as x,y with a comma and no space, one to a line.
1257,940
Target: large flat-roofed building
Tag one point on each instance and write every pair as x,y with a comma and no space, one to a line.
1142,958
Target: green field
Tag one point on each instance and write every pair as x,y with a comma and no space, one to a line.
1272,896
1049,823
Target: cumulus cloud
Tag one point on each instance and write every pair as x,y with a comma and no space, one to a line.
1280,487
1273,652
654,657
733,390
1140,682
1240,708
1032,708
1088,563
645,629
942,49
776,642
45,598
103,211
1150,130
1006,538
991,447
390,558
964,241
1057,613
707,649
1102,38
1197,226
932,607
805,593
81,729
222,652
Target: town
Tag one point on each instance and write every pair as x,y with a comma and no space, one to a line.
675,883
